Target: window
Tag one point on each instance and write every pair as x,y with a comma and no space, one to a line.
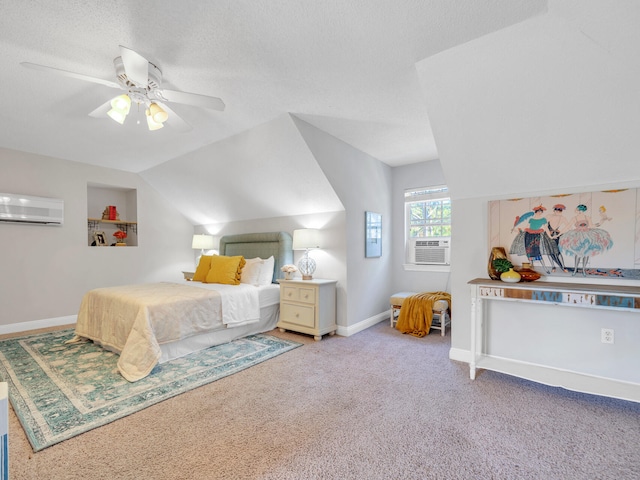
428,225
428,212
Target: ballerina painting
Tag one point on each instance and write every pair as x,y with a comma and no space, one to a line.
584,234
533,240
584,240
557,225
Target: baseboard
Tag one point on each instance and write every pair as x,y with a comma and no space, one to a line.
362,325
460,355
558,377
37,324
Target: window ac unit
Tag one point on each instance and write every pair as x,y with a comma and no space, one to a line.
27,209
430,251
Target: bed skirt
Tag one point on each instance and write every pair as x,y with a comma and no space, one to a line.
268,320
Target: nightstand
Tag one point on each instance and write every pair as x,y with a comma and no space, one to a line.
188,275
308,306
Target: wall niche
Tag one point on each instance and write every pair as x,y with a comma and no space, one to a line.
112,210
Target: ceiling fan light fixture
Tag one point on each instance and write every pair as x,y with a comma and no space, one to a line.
122,103
151,123
157,113
141,82
117,115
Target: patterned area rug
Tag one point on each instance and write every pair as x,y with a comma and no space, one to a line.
59,391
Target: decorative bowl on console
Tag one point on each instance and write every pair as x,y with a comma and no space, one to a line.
527,273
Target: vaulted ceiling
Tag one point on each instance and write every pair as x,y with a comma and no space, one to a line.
346,67
548,104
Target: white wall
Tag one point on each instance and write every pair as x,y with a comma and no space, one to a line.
416,175
46,270
362,183
547,106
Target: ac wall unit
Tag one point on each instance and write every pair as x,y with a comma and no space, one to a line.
430,251
27,209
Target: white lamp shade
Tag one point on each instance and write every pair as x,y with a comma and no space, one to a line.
202,242
306,238
157,113
151,123
122,103
117,115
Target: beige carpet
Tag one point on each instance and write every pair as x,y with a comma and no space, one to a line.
376,405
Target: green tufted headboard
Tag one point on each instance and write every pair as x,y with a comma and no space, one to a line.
263,245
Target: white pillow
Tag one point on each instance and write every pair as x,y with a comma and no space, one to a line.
257,271
266,272
251,271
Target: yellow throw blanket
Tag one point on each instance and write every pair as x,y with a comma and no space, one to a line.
416,313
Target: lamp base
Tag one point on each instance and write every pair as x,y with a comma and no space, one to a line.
307,266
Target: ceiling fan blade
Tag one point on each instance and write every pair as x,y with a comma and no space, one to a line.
135,66
78,76
194,99
174,120
102,110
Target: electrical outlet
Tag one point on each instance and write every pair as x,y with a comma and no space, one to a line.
606,335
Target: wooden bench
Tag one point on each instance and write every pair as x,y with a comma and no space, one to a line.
441,317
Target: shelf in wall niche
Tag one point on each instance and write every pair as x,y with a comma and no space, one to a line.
125,200
121,224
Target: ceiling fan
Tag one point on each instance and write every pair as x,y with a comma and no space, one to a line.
142,82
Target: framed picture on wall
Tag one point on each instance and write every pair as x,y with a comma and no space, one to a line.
372,234
100,239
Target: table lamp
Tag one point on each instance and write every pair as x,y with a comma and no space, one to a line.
202,242
306,239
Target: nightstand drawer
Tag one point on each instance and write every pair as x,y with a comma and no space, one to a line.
297,314
299,294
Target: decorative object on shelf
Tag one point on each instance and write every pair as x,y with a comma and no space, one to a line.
99,239
527,273
510,276
505,268
289,270
306,239
202,242
120,236
110,213
496,252
372,234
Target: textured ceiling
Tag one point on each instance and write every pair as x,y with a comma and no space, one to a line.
346,67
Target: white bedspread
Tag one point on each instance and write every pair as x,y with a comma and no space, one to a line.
133,320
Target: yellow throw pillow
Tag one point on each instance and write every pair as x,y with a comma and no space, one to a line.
203,268
225,270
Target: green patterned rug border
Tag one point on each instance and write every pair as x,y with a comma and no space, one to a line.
54,401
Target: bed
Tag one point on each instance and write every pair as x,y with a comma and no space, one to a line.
153,323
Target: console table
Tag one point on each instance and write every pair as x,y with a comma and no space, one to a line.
575,295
